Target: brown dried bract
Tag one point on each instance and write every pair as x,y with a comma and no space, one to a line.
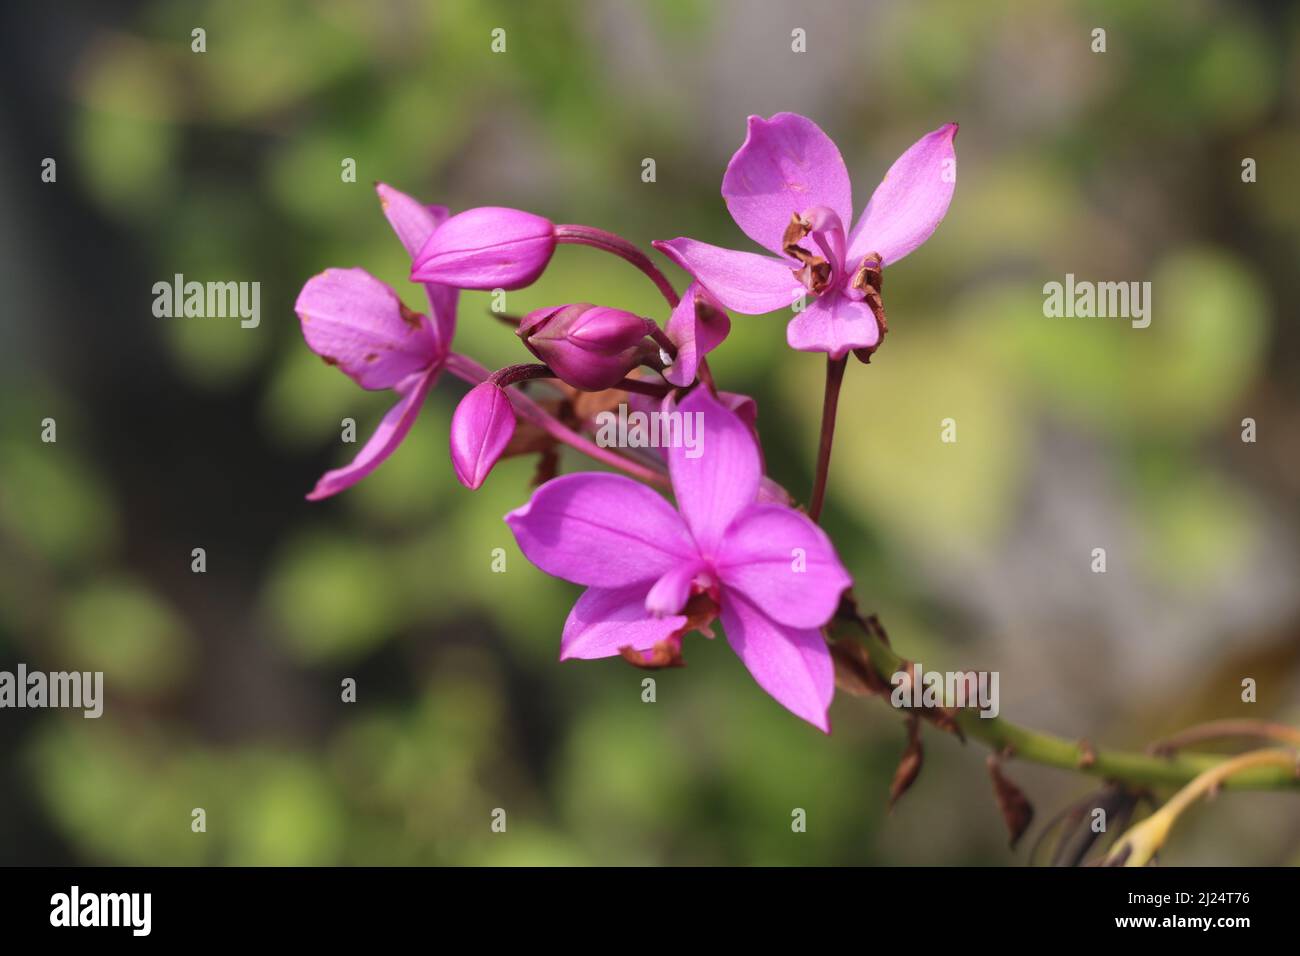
1017,811
815,271
548,466
909,765
853,671
855,674
531,439
945,718
700,612
870,276
870,280
587,405
872,623
794,232
528,439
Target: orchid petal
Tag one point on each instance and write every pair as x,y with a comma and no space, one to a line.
412,220
356,322
834,324
600,530
717,484
414,223
741,281
792,664
786,166
605,620
910,201
745,408
392,429
784,564
697,326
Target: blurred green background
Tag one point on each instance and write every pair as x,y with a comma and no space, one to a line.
223,687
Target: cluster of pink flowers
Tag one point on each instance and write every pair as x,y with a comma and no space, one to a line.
734,547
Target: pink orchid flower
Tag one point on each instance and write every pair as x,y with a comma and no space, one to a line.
770,571
788,189
357,323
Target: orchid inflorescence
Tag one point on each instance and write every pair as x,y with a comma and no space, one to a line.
735,547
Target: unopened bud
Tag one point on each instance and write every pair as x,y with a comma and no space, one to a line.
588,346
481,427
490,247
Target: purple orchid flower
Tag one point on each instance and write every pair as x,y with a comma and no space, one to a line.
771,573
788,189
357,323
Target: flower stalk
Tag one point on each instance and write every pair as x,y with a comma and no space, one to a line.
617,245
1003,736
830,403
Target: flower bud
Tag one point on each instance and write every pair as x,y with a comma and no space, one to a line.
588,346
481,427
486,248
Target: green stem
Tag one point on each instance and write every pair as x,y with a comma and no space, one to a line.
1130,767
